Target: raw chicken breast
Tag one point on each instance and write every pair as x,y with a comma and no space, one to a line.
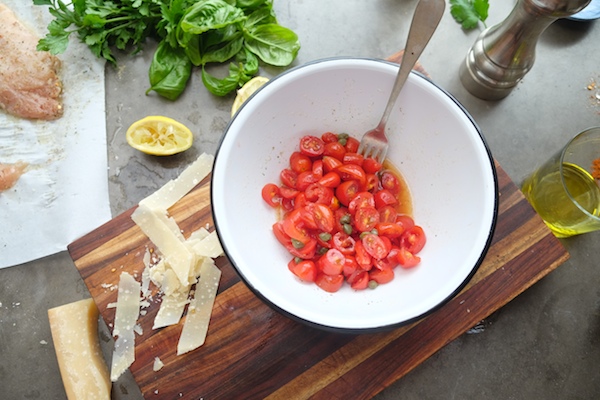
29,83
10,174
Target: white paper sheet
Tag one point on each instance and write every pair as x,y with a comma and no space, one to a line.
64,192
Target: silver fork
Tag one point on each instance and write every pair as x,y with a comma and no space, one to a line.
426,18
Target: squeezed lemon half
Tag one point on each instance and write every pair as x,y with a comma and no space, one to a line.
159,136
246,91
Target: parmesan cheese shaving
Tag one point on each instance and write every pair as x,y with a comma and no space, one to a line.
210,246
175,189
195,327
179,257
128,309
171,309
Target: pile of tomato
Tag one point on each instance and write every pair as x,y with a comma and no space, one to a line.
340,219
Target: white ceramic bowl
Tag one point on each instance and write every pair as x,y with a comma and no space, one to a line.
433,142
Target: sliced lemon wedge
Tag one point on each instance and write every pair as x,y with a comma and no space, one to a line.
159,136
246,91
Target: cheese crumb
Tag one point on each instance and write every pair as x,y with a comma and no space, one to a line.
158,364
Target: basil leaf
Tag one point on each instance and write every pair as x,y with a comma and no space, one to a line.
222,87
169,72
250,62
209,14
250,5
273,44
261,16
225,52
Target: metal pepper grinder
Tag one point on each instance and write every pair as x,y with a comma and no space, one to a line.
504,53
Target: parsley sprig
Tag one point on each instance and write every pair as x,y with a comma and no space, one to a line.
469,13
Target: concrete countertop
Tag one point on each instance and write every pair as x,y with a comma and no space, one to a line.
545,344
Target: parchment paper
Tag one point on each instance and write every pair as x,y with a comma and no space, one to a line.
64,192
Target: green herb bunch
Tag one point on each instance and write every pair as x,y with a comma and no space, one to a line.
190,33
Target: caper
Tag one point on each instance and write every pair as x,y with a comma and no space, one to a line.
347,229
325,236
346,219
373,284
297,244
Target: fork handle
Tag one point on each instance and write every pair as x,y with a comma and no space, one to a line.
426,18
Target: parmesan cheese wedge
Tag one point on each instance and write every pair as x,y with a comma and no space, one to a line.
74,328
128,310
195,326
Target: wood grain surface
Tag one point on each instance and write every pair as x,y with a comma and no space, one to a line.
253,352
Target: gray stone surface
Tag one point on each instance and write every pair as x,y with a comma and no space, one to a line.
545,344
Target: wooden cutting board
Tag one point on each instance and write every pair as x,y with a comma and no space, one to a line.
253,352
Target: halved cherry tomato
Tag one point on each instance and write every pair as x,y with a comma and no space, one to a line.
317,168
306,252
306,270
406,259
287,204
293,226
389,229
376,246
362,199
288,193
353,158
330,163
280,234
329,137
413,239
323,217
305,179
352,172
300,200
387,214
390,261
312,146
371,182
371,165
330,283
382,276
271,194
366,218
330,180
363,258
300,162
352,145
344,243
346,191
318,193
288,177
406,221
335,150
332,262
350,266
390,182
383,198
359,280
